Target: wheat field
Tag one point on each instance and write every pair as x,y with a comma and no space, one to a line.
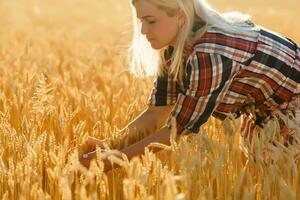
64,76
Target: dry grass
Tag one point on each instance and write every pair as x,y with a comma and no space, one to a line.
63,75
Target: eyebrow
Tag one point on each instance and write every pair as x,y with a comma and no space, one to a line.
145,17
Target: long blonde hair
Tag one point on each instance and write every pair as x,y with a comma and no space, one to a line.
145,60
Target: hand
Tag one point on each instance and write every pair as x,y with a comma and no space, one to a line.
87,151
91,143
85,160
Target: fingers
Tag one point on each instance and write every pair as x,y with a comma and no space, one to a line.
90,144
85,161
92,141
87,150
86,158
89,155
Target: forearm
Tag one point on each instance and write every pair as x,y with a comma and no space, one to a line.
148,121
162,136
145,122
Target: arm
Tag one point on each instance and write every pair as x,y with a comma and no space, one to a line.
161,101
161,136
149,120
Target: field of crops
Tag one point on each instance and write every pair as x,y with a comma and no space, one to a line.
64,76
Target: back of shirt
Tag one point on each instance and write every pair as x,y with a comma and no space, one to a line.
225,71
271,77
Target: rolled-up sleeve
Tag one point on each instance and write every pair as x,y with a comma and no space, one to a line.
208,76
164,91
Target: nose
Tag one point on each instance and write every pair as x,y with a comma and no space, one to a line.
144,29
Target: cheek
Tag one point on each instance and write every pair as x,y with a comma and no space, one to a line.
171,27
167,31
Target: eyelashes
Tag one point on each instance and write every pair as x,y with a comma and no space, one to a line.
151,22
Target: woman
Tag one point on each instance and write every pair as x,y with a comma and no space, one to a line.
211,64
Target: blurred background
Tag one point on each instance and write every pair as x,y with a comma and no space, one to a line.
92,20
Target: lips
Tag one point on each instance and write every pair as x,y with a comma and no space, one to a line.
149,39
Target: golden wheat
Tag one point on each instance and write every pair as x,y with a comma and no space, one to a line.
63,76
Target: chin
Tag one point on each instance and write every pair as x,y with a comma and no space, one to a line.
156,46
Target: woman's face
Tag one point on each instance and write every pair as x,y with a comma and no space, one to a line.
159,28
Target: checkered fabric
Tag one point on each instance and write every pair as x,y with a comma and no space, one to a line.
226,72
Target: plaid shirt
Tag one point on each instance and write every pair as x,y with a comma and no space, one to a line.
224,71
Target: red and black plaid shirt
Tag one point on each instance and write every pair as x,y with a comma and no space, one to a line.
223,70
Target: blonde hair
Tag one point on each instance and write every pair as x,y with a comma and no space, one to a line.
145,60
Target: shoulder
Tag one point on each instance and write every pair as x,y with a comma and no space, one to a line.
236,46
273,38
279,44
